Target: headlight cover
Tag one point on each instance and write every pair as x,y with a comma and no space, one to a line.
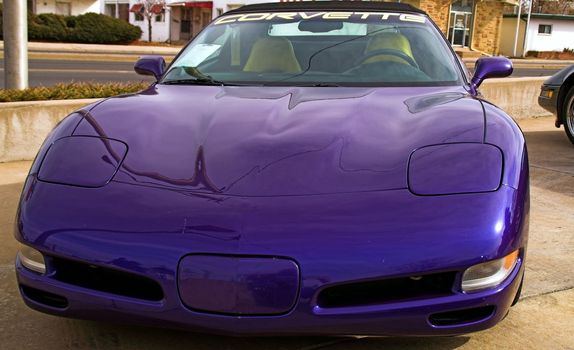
84,161
455,169
32,259
489,274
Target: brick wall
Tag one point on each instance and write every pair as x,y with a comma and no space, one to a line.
487,21
438,10
487,26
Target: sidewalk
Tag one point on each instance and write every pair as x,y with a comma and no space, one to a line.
99,49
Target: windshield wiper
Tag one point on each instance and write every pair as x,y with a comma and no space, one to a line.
197,81
199,78
281,83
324,85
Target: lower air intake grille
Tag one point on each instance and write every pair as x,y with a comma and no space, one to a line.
459,317
44,298
387,290
106,280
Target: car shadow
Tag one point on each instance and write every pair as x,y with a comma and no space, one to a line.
131,337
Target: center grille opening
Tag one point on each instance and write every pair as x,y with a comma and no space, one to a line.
106,280
387,290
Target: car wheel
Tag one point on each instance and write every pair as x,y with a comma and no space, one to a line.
568,114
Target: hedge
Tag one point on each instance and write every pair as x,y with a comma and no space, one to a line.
89,28
71,91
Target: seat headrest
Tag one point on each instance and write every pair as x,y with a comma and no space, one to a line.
272,54
394,41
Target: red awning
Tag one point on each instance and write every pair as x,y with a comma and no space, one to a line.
136,8
203,4
156,9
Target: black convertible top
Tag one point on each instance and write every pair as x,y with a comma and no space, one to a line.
328,5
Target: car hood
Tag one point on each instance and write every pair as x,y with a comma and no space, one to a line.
280,141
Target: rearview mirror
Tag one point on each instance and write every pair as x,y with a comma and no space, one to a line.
315,26
150,65
490,67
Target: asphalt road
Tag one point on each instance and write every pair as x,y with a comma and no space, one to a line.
543,319
45,72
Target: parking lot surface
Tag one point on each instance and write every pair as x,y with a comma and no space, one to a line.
543,319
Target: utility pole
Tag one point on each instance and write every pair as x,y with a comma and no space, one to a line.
15,28
525,47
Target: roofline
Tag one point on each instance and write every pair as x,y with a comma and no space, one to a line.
327,6
543,16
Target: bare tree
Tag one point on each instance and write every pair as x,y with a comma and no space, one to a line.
150,9
555,7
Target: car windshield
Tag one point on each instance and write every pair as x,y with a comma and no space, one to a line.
317,49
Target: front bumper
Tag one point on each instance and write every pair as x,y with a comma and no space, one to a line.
332,239
548,99
401,318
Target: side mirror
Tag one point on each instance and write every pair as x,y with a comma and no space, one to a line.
150,65
490,67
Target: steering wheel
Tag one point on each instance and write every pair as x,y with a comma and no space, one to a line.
391,52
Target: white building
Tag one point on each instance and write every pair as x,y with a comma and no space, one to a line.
546,32
115,8
64,7
180,21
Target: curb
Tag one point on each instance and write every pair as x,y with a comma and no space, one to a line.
99,49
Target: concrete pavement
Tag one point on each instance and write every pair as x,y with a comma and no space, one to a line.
544,318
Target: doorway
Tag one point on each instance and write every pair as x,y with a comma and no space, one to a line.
193,20
460,23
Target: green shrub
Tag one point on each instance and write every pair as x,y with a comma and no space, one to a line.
47,27
89,28
95,28
71,91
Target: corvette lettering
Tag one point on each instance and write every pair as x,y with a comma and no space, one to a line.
297,16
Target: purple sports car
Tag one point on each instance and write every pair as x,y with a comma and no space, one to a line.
300,168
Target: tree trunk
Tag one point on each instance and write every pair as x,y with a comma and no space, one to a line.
149,28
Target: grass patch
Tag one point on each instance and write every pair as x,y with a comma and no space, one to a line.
71,91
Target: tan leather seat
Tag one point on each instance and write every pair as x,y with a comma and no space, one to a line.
272,54
393,41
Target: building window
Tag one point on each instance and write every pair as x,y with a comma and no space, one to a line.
545,29
63,8
138,10
160,17
110,10
122,11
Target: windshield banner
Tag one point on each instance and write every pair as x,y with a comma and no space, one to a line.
298,16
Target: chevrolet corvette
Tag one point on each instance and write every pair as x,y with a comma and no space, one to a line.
299,168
